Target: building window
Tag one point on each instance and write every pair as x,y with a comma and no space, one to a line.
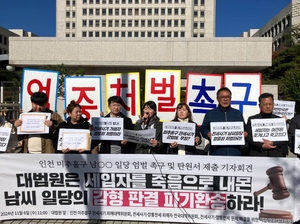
97,34
195,13
110,12
129,34
97,1
170,1
130,12
162,34
110,23
149,34
83,34
169,34
143,12
202,13
103,23
149,23
155,34
73,25
136,12
91,1
67,35
130,23
149,1
123,1
84,12
182,23
155,23
73,34
169,23
123,12
103,12
149,12
169,11
91,12
175,23
201,34
143,1
84,1
91,23
73,14
116,34
163,12
195,35
136,2
68,25
136,23
156,11
201,25
182,11
123,34
202,2
143,34
97,12
162,23
176,11
103,1
83,23
195,2
97,23
195,25
123,23
117,23
67,14
117,12
90,34
136,34
103,34
110,34
176,1
110,1
156,1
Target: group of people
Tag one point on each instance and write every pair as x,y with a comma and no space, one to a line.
47,143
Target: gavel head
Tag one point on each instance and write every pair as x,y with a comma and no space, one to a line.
277,183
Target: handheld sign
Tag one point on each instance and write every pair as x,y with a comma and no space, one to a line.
181,132
107,128
4,138
284,108
33,123
74,139
272,129
227,133
140,136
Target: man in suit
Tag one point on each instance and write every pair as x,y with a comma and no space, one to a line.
266,148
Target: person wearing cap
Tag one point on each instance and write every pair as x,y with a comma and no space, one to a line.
39,143
149,120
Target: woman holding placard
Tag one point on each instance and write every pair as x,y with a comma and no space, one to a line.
67,141
184,114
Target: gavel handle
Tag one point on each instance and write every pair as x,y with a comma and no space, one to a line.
268,187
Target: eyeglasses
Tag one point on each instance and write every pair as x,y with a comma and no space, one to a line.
224,97
267,104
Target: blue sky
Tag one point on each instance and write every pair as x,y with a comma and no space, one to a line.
232,16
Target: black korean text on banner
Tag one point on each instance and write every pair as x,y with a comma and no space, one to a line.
273,129
106,128
227,133
181,132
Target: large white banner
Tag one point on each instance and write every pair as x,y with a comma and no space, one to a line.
165,188
39,81
126,85
163,87
201,93
86,91
245,89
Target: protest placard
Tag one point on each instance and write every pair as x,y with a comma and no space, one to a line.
273,129
106,128
33,123
284,108
297,141
140,136
227,133
4,138
73,139
181,132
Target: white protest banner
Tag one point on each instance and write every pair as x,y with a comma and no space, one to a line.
284,108
34,80
163,87
4,138
107,128
140,136
33,123
152,188
227,133
65,139
86,91
297,141
245,89
127,86
201,92
181,132
273,129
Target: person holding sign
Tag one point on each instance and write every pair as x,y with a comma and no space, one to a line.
115,147
294,125
74,121
265,148
184,114
149,120
223,113
39,143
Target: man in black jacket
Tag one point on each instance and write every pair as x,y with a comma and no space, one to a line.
266,148
116,147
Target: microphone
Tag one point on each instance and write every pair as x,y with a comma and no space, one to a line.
145,118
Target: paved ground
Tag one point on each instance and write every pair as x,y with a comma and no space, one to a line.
71,221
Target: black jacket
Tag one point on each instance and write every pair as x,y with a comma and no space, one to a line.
82,124
281,149
105,144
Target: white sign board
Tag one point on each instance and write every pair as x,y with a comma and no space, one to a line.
140,136
227,133
106,128
33,123
181,132
284,108
4,138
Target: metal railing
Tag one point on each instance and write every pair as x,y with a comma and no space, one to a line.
10,110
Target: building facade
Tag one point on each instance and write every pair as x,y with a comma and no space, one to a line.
135,18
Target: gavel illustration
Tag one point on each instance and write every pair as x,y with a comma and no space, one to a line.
277,184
